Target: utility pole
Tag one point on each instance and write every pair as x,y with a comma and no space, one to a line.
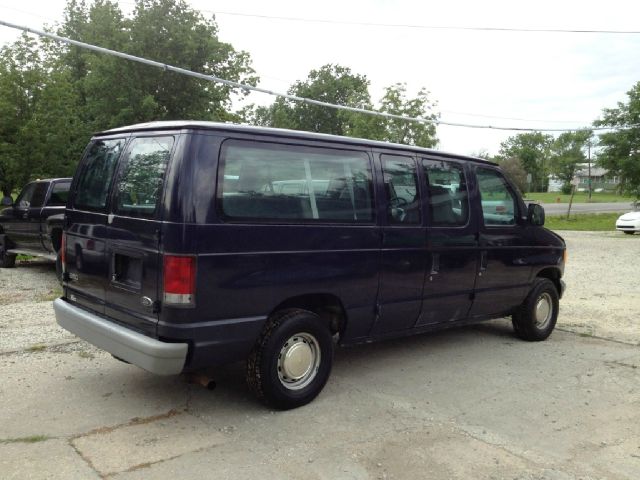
589,160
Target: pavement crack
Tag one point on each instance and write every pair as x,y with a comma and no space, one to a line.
597,337
41,348
86,459
620,363
132,422
142,466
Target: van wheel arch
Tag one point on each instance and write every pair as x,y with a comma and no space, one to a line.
325,305
552,274
291,361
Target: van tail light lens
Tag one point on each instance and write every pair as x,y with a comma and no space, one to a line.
179,279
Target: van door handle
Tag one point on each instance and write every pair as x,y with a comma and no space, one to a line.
483,261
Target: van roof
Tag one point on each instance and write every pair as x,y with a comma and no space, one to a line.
232,127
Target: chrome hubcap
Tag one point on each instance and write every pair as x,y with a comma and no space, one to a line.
543,310
298,361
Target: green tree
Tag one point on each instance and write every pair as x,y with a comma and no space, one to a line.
620,148
532,149
53,96
329,83
514,169
169,31
339,85
396,102
22,80
567,153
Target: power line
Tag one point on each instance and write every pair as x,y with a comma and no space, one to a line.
423,27
213,78
442,111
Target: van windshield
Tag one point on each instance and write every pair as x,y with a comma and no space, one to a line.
95,179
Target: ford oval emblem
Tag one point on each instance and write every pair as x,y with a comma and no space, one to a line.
146,301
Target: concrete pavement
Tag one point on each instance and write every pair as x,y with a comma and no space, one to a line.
470,403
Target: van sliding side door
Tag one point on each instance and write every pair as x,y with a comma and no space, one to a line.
404,253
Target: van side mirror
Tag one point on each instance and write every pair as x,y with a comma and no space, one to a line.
535,214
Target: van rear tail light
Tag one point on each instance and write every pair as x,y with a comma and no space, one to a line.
179,279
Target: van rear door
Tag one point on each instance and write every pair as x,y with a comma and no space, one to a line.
133,231
86,222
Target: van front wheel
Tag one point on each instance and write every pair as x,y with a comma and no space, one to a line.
291,361
536,318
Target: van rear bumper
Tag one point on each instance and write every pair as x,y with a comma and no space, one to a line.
157,357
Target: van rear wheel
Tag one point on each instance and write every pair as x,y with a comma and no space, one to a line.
536,318
291,361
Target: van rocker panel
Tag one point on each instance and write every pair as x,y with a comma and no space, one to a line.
155,356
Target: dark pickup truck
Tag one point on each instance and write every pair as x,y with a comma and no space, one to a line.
33,224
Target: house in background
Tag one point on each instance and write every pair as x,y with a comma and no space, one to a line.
600,181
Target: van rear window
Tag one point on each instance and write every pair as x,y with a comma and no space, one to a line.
97,171
142,174
288,182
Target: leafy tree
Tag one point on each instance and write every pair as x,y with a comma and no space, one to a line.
567,152
169,31
396,102
330,83
620,153
339,85
532,149
513,168
22,77
53,96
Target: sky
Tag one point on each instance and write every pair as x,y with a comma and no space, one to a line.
512,79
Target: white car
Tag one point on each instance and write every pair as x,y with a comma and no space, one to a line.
629,223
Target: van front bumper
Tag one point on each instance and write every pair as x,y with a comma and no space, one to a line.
157,357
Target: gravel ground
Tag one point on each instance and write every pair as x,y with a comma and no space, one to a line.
27,321
603,285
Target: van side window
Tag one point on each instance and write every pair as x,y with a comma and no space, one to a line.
97,171
448,194
401,188
265,181
498,202
141,177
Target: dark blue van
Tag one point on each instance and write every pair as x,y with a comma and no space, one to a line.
192,244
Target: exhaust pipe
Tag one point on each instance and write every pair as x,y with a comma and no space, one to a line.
200,378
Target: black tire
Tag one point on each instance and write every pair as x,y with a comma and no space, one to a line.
543,302
628,232
293,332
7,260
